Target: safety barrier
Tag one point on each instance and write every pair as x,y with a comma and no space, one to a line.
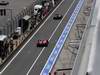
57,49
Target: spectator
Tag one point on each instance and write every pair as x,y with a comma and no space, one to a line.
11,45
6,46
2,54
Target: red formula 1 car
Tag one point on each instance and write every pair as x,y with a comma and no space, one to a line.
42,43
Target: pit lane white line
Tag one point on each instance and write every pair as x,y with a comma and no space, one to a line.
30,38
50,38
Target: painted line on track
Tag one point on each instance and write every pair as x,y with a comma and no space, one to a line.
50,38
30,38
57,49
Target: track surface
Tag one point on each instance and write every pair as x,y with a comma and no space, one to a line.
27,56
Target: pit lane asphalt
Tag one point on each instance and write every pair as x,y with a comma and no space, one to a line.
45,54
24,60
